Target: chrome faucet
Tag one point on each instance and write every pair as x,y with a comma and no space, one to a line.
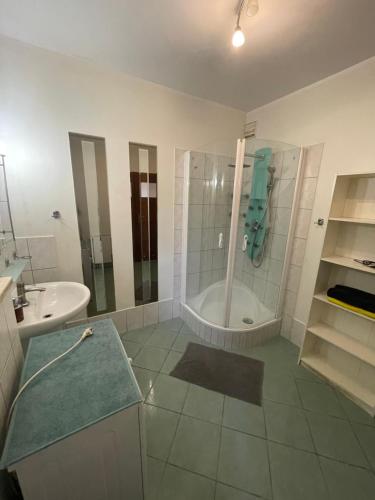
22,290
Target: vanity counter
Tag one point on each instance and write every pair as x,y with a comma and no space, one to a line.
93,385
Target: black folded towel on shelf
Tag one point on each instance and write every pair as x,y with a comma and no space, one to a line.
353,297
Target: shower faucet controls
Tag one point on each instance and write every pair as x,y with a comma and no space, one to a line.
244,243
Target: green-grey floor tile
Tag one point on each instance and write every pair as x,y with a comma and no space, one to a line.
151,358
141,336
196,446
224,492
171,361
366,436
353,412
131,348
320,398
288,425
145,379
178,484
161,427
155,470
302,373
204,404
186,330
243,463
173,325
296,474
244,417
346,482
162,338
182,341
334,438
281,387
168,392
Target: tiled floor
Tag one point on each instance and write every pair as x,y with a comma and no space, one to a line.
306,442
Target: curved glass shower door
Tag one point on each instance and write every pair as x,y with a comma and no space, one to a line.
239,209
264,222
210,175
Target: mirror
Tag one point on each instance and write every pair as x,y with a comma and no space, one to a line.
7,242
92,204
143,180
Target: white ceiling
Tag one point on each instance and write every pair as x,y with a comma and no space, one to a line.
185,44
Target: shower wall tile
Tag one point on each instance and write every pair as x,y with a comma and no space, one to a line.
178,191
176,308
285,193
298,251
177,287
290,164
196,191
179,162
197,165
177,264
195,216
292,328
303,223
178,216
313,160
177,240
308,192
193,262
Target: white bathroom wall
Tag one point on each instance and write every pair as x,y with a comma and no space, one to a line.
43,97
40,255
340,113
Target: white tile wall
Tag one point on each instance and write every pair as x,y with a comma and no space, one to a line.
41,263
11,358
292,328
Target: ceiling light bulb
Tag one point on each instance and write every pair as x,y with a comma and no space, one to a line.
238,38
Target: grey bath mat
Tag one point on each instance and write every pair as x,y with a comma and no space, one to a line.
231,374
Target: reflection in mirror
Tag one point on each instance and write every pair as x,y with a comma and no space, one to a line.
7,243
91,194
143,179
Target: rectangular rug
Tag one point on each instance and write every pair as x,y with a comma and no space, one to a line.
231,374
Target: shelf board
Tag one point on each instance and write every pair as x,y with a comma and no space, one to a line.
344,342
322,297
338,260
354,220
339,379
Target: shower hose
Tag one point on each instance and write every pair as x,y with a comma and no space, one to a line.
87,333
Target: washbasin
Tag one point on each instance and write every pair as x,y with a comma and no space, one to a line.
60,302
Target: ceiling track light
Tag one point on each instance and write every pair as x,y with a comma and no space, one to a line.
238,37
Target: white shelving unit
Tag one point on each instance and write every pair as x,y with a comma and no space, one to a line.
339,344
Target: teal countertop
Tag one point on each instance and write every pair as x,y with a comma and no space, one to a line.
92,382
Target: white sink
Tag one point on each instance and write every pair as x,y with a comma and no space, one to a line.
48,310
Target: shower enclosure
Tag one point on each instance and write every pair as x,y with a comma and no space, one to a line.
239,217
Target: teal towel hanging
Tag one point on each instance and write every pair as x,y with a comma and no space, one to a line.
257,220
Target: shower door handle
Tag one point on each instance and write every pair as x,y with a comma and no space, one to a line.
221,240
244,242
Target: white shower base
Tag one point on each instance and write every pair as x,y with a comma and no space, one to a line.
205,312
209,305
